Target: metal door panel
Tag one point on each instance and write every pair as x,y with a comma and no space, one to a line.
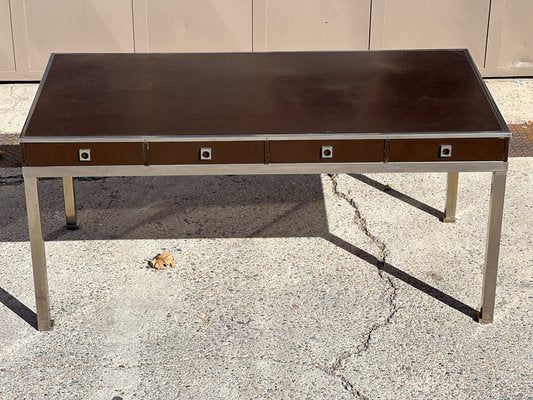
516,47
510,39
7,60
76,26
199,26
311,25
416,24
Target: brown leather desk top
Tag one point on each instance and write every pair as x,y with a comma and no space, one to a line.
385,92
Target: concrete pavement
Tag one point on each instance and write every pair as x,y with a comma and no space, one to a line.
277,291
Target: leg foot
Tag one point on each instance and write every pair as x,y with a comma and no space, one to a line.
483,321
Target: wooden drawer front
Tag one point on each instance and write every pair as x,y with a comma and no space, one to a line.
164,153
50,154
461,150
310,151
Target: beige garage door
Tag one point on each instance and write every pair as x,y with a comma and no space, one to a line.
31,29
311,24
7,56
510,42
193,26
408,24
70,26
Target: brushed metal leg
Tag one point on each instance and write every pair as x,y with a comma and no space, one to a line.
38,256
451,197
486,314
70,203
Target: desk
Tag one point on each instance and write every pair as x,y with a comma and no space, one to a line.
262,113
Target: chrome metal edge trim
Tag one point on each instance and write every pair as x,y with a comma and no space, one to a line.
259,137
263,169
274,52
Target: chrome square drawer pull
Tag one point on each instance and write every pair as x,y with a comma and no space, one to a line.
84,154
326,152
445,150
205,153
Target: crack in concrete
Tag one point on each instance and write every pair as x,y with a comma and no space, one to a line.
337,365
358,218
347,385
14,98
288,362
11,180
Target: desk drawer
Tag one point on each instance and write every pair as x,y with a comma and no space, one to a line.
167,153
316,151
58,154
448,150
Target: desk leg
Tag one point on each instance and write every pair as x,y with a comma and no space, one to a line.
492,252
38,256
70,203
451,197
